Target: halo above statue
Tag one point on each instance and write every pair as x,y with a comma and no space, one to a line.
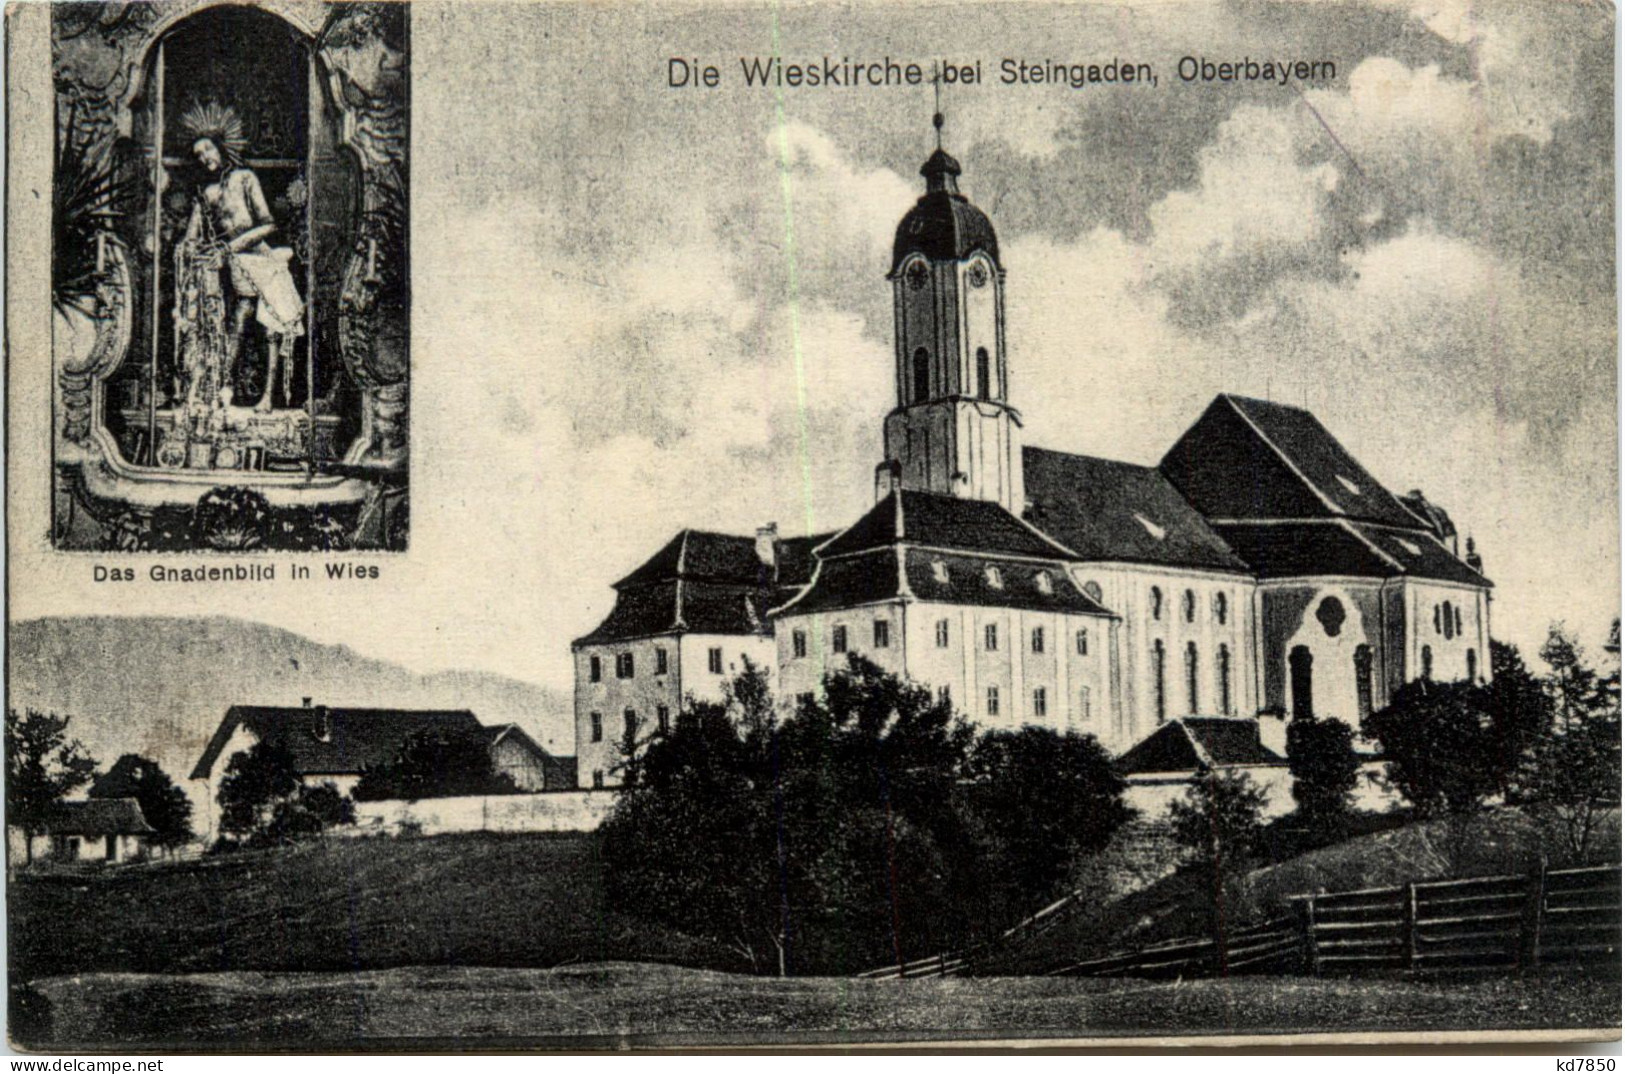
220,124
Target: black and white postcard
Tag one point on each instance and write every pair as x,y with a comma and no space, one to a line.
610,525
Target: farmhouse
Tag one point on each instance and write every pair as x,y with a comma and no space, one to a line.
1257,568
336,745
97,830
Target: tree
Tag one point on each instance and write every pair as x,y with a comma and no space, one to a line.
164,805
435,763
1043,800
1574,779
825,840
1219,819
1325,769
1442,747
1520,710
263,800
42,765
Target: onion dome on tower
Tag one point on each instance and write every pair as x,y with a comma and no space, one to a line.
943,225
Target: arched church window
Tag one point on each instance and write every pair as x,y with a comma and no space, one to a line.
1224,680
1159,686
1190,606
1427,662
922,375
984,374
1438,625
1221,608
1362,679
1191,699
1301,665
1156,602
1331,616
1449,621
1455,610
1472,666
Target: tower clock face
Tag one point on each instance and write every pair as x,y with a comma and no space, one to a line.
917,275
978,275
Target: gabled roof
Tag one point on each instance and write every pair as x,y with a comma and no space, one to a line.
1349,549
1192,743
332,741
925,519
1115,511
97,817
1246,459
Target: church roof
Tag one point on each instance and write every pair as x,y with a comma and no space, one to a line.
1342,548
949,522
1191,743
331,741
1115,511
943,225
1246,460
705,583
946,549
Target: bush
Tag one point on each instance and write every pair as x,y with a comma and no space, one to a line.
1440,742
1325,768
1220,820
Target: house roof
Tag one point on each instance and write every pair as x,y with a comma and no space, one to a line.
948,522
850,581
98,817
1247,459
705,583
965,579
331,741
512,732
1352,549
1191,743
1106,510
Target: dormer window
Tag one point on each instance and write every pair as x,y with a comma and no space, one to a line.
1042,581
939,571
995,578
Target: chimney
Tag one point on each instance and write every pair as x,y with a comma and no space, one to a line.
766,544
888,479
307,702
1474,560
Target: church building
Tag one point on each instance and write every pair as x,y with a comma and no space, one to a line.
1257,572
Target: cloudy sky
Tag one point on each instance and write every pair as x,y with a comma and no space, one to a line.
641,308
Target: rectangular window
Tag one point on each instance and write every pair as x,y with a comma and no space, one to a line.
798,643
1083,703
942,633
597,726
1040,702
713,660
882,634
623,665
992,700
631,719
598,779
1083,643
805,700
990,634
663,718
838,641
1038,639
595,669
660,661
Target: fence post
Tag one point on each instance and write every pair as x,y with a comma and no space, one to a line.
1311,951
1534,912
1410,927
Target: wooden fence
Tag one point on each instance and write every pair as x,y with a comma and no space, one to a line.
1558,917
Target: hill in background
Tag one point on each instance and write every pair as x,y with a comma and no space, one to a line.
159,686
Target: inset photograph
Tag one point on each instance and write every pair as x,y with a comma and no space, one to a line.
229,281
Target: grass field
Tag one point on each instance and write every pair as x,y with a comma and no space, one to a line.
618,1004
345,904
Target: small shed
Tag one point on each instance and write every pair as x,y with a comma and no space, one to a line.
1163,765
97,830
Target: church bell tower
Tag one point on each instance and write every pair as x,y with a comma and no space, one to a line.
953,430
